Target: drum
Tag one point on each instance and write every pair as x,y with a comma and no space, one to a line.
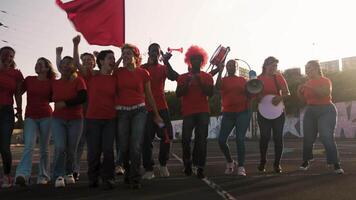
268,110
219,55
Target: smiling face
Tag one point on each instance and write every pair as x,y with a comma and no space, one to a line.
66,67
40,67
88,60
128,57
108,63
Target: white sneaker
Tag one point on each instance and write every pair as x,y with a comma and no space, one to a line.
6,181
194,169
163,171
119,170
148,175
69,179
339,171
59,182
241,171
230,167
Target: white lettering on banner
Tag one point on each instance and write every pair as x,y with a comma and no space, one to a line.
345,127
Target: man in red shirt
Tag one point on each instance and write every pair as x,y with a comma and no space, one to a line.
159,73
194,88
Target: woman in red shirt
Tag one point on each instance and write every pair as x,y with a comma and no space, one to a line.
235,113
274,84
11,80
69,93
133,85
319,117
37,121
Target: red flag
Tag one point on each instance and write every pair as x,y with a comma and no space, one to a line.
102,22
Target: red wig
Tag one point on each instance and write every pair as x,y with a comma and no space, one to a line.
135,51
196,51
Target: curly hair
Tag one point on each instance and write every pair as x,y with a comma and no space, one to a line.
135,51
196,51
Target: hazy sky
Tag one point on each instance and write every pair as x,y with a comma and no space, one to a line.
294,31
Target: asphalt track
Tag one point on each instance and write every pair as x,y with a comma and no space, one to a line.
317,183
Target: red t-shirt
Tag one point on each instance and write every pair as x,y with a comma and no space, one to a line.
38,95
9,78
233,94
195,101
269,85
64,90
311,98
131,86
158,75
101,97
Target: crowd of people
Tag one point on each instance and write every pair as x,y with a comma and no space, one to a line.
123,108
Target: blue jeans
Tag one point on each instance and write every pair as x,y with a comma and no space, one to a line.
80,148
66,134
199,122
165,134
7,120
118,158
320,119
100,140
131,125
33,127
241,121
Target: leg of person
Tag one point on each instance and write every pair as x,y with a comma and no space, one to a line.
326,126
165,143
124,124
79,153
108,166
75,130
136,140
94,143
23,170
6,128
310,130
265,126
59,132
147,158
187,129
227,124
201,135
277,129
44,137
242,124
119,169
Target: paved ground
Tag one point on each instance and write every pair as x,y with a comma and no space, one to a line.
317,183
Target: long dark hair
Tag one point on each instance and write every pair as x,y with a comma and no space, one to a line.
51,74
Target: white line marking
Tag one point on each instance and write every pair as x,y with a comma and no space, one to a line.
211,184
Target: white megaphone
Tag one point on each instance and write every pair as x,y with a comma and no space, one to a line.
253,86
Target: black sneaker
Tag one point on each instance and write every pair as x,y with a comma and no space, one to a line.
277,169
200,173
304,166
21,181
93,183
76,176
109,184
188,170
261,167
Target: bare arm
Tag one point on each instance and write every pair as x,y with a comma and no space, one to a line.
81,68
58,56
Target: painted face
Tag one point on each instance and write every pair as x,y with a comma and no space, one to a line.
88,61
67,67
196,61
40,67
231,66
7,57
128,56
